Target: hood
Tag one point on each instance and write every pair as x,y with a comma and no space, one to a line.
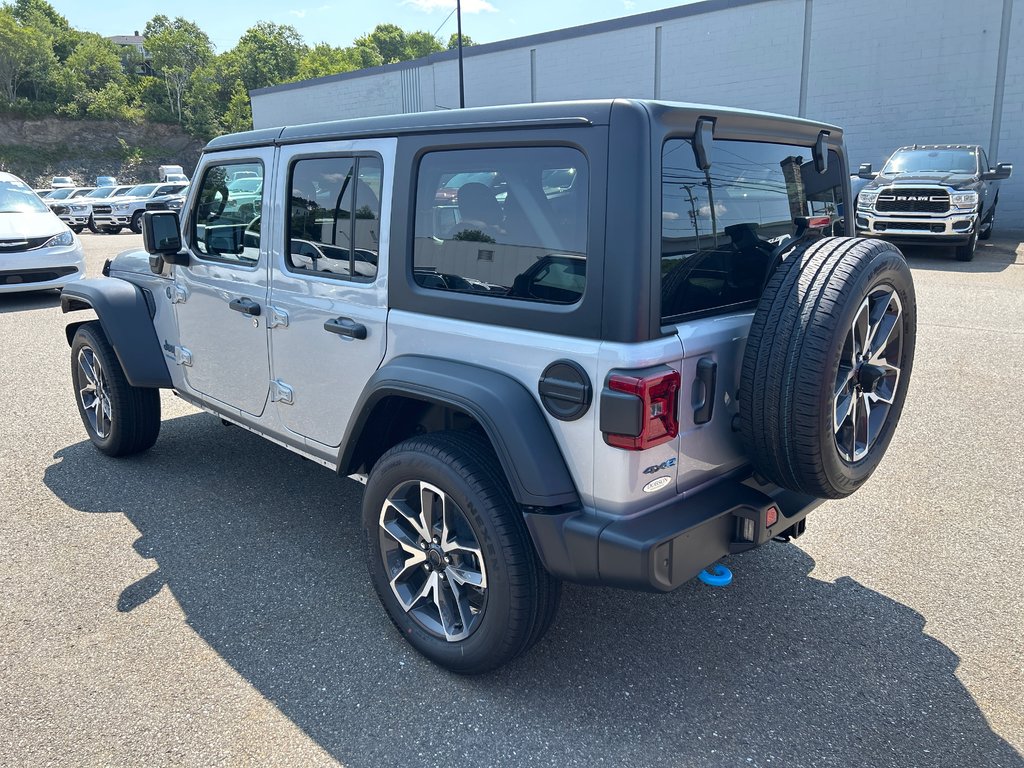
14,226
132,261
960,181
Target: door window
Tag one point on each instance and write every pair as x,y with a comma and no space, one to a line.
226,220
334,216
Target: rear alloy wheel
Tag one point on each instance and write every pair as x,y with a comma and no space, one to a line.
827,364
136,225
449,554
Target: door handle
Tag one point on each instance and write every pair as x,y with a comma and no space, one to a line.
707,378
345,326
245,306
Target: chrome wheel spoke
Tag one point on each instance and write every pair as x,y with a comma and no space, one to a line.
886,319
93,394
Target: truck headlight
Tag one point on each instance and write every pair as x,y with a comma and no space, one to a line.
175,205
867,200
120,206
79,208
968,200
64,239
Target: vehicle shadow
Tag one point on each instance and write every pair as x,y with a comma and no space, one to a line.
263,552
995,255
21,302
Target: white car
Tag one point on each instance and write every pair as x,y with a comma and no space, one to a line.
37,250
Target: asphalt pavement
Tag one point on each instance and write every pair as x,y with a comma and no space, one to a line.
207,603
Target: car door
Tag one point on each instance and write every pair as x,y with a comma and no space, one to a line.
220,296
329,282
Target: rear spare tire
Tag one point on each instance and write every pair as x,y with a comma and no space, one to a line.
827,364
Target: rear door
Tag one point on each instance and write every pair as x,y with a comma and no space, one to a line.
720,229
329,294
221,296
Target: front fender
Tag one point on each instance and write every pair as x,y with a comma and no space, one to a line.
503,407
125,317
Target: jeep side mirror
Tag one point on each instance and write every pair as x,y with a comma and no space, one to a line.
821,152
703,137
1002,171
865,171
161,236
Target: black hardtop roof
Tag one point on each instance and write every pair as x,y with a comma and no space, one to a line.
561,113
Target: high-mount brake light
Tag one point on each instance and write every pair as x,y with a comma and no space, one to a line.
658,392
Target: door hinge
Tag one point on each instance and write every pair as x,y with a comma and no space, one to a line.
177,294
280,392
276,318
183,356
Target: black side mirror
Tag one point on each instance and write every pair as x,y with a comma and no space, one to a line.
1002,171
821,152
865,171
703,137
161,234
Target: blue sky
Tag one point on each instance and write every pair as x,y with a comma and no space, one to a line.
338,22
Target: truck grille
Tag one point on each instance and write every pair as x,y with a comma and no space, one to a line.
101,209
912,200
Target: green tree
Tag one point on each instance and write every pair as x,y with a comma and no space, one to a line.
179,48
113,102
268,54
420,44
389,40
25,53
238,115
453,41
322,60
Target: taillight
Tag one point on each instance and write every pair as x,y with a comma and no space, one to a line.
657,394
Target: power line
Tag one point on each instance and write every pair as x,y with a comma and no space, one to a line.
445,21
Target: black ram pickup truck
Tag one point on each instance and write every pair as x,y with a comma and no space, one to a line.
932,194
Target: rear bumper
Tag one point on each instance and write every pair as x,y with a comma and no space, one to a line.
662,549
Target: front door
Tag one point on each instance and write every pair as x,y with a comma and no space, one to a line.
221,295
329,295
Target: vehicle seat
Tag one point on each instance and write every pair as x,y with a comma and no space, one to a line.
478,209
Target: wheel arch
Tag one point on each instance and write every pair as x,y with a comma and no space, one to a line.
413,394
126,318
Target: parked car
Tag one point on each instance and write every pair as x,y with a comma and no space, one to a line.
106,181
77,212
127,211
62,182
617,375
37,250
932,194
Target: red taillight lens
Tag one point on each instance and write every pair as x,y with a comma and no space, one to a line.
771,517
658,394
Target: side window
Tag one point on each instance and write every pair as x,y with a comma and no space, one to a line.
226,220
508,222
720,228
983,161
334,216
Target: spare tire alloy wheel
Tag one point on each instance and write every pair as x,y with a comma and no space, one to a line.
434,561
869,373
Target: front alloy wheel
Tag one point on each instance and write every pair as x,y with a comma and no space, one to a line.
433,560
93,394
868,374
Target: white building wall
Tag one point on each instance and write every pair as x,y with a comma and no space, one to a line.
890,72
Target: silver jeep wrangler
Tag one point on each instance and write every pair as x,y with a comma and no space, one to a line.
611,342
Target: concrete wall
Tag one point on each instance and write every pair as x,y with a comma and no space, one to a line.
889,72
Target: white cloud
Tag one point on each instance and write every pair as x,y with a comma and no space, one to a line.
468,6
298,14
629,5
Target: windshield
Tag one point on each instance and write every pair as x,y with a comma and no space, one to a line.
143,190
932,161
16,197
245,185
102,192
60,194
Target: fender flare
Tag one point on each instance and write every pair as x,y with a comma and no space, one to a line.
127,322
509,415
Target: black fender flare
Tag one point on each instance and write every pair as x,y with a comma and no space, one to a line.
504,408
127,322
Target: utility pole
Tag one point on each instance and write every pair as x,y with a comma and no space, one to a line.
693,211
462,85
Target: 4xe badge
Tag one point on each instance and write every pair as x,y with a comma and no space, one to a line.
658,467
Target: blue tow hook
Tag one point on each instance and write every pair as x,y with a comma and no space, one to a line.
716,575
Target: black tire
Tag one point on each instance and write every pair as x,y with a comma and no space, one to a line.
521,598
92,225
965,252
990,223
136,225
134,412
113,230
77,229
801,334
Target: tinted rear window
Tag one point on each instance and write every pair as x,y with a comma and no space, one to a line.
720,227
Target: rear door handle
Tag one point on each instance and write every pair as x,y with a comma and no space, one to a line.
345,326
707,379
245,305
